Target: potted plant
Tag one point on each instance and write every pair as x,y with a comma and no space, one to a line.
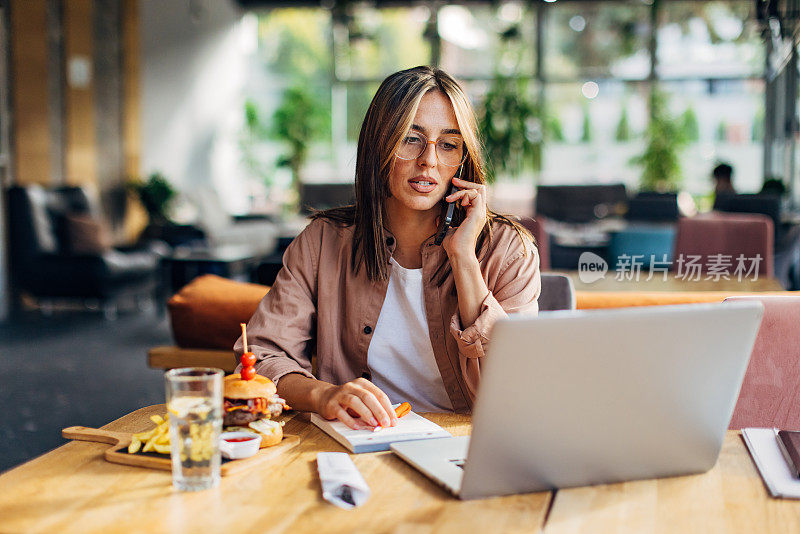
665,140
251,138
156,195
511,125
297,122
511,121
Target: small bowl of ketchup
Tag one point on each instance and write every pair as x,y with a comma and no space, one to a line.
238,445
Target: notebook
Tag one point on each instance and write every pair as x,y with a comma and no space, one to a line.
771,464
789,443
410,427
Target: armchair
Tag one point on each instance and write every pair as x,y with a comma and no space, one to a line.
44,264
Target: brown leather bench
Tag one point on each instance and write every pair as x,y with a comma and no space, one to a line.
169,357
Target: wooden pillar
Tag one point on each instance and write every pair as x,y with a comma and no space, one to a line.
136,217
131,88
80,127
29,92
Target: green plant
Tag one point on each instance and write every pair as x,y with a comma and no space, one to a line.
660,162
512,129
155,194
757,132
253,134
297,122
689,125
553,129
586,128
511,122
722,131
623,132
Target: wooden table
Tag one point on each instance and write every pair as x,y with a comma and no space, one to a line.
72,489
673,283
729,498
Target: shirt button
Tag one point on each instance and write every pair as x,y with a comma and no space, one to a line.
368,330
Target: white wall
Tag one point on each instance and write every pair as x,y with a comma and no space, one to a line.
193,72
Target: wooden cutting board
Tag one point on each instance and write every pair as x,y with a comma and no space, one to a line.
119,441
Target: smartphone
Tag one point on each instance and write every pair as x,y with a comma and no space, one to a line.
447,219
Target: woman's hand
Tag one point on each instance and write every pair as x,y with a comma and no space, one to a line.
358,404
472,196
460,247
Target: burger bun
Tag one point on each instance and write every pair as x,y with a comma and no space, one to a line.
259,386
271,432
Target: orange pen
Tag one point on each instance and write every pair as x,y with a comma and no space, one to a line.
400,411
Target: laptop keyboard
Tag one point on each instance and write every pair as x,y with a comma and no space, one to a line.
458,462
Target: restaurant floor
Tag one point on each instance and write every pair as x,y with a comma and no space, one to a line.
72,369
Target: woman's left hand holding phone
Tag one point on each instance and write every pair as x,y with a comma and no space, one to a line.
472,197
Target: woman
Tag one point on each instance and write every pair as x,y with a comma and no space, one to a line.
389,315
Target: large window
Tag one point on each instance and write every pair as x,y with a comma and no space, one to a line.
597,39
373,43
601,125
723,121
709,40
481,41
599,63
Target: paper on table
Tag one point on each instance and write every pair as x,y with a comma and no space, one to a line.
409,427
342,484
763,446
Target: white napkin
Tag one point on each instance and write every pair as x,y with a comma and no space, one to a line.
342,484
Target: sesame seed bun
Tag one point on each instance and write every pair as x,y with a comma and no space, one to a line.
259,386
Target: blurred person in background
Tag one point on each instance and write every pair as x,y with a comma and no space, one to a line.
773,186
723,180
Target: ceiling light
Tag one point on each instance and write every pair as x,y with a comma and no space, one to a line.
590,90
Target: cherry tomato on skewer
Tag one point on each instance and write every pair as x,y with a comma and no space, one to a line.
248,359
248,373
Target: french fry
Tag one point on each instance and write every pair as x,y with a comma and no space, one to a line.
144,436
156,439
135,445
149,445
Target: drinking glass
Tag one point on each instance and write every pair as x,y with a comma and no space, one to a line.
194,405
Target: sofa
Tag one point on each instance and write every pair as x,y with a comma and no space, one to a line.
61,248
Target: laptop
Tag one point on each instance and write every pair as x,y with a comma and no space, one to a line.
577,398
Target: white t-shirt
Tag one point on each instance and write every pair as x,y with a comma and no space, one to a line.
400,356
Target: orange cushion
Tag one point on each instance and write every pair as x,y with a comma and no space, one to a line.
206,313
623,299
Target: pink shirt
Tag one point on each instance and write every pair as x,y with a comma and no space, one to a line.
321,309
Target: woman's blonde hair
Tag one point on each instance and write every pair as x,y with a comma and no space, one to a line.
388,120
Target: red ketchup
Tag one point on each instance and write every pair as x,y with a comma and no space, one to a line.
238,440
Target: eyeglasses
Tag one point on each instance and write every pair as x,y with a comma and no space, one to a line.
449,149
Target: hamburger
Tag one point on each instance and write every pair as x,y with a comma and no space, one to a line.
250,405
